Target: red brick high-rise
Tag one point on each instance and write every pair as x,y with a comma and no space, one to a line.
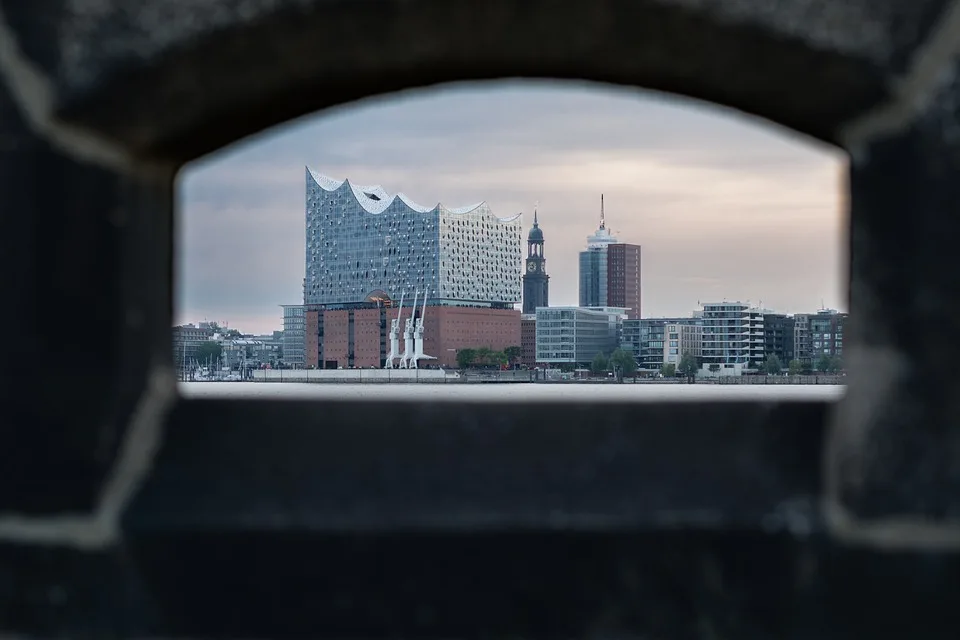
623,278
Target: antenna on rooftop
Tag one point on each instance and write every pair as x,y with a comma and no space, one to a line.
603,223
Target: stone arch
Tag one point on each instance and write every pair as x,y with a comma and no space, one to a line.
114,97
814,75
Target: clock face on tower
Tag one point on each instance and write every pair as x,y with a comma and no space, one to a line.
531,266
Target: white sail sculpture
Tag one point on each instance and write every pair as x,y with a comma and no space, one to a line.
408,335
418,338
394,337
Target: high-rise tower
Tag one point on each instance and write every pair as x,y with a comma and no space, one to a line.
610,271
536,282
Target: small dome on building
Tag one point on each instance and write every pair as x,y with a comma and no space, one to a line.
535,235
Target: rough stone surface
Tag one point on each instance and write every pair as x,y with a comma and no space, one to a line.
897,448
127,513
86,283
386,466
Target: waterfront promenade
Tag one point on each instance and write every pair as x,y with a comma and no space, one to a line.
440,376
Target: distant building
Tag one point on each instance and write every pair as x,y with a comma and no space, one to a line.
536,282
575,335
802,346
623,277
733,337
826,334
272,348
681,338
187,339
368,251
610,272
294,334
528,339
779,337
648,340
593,277
358,336
250,352
363,244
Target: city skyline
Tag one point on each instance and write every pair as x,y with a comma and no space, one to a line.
724,207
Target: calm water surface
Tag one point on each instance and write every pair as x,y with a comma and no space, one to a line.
509,392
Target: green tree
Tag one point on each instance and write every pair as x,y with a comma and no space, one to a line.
600,363
823,363
836,364
624,362
513,354
795,367
483,356
498,358
772,366
688,365
668,370
466,357
208,351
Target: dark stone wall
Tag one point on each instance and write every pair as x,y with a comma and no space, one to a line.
126,511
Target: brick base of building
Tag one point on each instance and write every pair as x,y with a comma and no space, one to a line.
360,338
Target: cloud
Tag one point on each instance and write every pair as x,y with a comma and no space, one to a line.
724,206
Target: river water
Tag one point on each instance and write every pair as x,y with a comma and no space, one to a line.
510,392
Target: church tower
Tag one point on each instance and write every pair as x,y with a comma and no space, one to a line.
536,282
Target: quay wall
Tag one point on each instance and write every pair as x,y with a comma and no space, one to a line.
355,375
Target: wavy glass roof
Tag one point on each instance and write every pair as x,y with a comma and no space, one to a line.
375,199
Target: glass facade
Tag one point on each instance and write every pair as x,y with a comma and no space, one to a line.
593,277
294,335
575,335
361,241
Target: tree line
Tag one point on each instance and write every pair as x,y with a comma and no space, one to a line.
689,366
620,362
487,357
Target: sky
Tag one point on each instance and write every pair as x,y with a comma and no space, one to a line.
725,206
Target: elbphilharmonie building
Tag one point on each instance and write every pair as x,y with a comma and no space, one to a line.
363,244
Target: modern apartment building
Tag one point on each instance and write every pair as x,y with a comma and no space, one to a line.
681,338
648,339
802,347
779,337
826,334
575,335
733,337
